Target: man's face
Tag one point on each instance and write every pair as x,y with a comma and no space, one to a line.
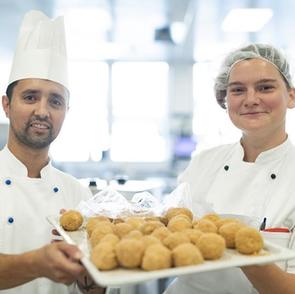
36,112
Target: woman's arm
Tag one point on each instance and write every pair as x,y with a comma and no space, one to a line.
270,279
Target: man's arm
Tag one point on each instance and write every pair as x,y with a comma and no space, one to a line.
57,261
270,279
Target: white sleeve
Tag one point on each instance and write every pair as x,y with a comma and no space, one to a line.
290,268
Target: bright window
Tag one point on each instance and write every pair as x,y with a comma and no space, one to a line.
85,131
4,73
140,112
211,124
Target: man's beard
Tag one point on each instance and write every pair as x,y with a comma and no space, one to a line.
35,142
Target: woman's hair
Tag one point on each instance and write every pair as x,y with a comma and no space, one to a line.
262,51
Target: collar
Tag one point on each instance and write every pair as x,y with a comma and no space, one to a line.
271,154
16,168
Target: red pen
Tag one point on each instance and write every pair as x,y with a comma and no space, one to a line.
277,230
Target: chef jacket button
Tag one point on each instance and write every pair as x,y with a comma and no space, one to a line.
55,189
273,176
10,220
8,182
226,167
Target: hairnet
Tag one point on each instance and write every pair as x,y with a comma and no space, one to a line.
262,51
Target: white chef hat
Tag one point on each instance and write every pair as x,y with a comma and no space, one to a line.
40,50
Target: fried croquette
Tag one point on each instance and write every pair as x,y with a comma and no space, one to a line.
101,229
156,257
161,233
226,220
71,220
152,218
186,254
122,229
213,217
149,240
110,238
92,221
248,240
175,239
104,257
193,235
129,252
228,232
179,223
134,234
211,245
178,210
206,226
135,222
149,226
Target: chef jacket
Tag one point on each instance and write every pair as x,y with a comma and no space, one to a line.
265,188
24,204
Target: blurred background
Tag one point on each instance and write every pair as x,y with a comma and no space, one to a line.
141,80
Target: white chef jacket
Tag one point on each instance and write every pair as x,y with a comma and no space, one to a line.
24,204
264,188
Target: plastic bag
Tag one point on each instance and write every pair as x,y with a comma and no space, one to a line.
112,204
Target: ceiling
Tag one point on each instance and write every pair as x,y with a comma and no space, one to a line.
125,29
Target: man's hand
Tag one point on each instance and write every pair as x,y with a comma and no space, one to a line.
59,262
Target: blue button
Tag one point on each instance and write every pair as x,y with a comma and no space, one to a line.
8,182
10,220
55,189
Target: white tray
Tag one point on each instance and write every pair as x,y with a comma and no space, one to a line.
118,277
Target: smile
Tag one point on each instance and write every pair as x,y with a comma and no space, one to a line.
39,126
254,113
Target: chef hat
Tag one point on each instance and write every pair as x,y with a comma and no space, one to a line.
40,50
261,51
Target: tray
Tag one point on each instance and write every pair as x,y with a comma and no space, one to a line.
119,277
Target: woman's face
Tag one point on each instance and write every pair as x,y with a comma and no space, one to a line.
257,98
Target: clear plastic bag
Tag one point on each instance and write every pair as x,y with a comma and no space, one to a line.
112,204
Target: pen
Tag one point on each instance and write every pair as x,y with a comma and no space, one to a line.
263,224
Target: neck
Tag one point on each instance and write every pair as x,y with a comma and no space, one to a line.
33,159
253,146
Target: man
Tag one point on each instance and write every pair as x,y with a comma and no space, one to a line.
36,103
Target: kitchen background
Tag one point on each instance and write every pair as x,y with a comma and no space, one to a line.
141,81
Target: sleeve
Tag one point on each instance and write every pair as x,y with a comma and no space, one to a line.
290,264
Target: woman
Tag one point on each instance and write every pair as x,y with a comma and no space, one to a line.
253,177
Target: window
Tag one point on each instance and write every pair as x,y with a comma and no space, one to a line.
140,112
85,131
211,124
4,72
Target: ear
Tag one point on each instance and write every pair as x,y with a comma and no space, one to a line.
5,105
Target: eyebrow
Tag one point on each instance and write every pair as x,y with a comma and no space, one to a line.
31,91
258,82
58,96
